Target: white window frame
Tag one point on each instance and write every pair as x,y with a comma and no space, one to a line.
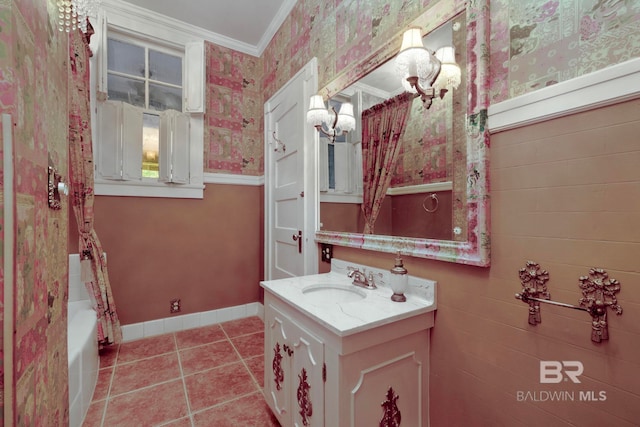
121,24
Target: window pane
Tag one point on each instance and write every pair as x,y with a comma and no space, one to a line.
150,145
164,97
125,89
165,68
125,58
332,167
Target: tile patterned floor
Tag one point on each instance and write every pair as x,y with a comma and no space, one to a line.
209,376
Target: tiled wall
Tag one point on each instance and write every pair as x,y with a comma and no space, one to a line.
566,194
33,89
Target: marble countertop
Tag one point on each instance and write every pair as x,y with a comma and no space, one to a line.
349,317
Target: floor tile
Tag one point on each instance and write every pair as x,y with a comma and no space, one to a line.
249,345
218,385
145,372
108,355
182,422
256,367
199,336
208,356
247,411
249,325
142,382
146,347
160,404
94,414
102,385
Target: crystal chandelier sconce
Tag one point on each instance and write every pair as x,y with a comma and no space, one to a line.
419,68
328,121
72,14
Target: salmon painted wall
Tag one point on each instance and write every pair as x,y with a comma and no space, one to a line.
566,194
208,253
33,89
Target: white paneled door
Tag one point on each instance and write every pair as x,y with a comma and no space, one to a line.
290,184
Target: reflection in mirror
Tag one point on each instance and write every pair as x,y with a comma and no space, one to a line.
419,200
437,202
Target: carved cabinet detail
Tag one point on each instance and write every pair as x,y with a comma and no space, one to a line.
294,386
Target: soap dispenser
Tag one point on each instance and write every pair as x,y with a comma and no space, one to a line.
399,281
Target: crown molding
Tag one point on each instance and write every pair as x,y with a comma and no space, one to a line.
607,86
124,15
276,23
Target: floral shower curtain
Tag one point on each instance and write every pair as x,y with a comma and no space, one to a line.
92,258
382,126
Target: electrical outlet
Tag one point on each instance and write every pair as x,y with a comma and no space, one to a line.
327,252
174,306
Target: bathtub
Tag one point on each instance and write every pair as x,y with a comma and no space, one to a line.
82,346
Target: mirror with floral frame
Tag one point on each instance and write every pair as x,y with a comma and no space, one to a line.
474,246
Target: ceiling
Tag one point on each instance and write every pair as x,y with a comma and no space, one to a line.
245,25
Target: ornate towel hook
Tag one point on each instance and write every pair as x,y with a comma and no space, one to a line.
598,293
534,285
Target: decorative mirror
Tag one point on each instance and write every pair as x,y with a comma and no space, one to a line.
437,205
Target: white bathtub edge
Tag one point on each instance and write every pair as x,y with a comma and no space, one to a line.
83,359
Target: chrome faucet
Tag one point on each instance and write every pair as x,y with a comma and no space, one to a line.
360,278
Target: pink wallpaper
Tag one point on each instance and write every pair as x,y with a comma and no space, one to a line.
33,89
233,121
533,45
537,44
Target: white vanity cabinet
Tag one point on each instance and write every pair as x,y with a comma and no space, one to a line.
355,376
294,362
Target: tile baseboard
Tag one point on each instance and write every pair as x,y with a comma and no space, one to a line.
151,328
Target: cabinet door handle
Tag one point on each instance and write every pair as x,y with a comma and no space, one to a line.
298,238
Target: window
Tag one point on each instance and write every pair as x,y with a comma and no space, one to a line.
149,133
341,164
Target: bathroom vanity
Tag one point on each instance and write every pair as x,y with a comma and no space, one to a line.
340,355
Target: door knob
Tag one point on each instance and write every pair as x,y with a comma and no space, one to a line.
298,238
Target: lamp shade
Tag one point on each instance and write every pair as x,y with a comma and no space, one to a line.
317,112
346,119
450,74
411,38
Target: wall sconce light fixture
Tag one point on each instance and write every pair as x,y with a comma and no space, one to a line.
72,14
336,123
419,68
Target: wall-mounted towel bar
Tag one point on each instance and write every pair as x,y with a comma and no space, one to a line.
598,293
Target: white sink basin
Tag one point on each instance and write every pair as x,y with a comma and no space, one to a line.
325,293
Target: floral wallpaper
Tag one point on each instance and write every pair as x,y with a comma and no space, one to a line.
536,44
233,119
533,44
33,89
